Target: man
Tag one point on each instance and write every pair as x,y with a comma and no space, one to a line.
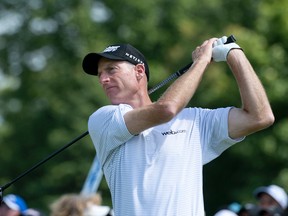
152,153
272,199
12,205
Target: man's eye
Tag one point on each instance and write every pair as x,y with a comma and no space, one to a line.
112,69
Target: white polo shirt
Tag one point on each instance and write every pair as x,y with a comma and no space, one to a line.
158,172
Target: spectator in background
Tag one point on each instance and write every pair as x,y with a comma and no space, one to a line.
68,205
78,205
272,200
13,205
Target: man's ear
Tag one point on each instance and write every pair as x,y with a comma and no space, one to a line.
140,71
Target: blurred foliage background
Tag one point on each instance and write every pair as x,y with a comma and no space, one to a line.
46,99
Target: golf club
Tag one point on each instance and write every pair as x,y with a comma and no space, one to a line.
175,75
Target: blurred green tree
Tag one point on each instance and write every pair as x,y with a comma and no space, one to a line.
46,99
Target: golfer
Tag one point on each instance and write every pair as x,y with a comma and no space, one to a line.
152,153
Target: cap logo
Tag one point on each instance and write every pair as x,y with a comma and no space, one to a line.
134,58
111,49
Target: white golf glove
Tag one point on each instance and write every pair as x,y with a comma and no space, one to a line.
220,49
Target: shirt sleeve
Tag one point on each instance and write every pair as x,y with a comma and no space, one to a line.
107,129
214,133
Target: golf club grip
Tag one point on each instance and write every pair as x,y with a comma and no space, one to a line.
230,39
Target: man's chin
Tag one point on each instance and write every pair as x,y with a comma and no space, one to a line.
115,101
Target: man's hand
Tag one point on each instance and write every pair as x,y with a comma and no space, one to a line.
203,52
220,49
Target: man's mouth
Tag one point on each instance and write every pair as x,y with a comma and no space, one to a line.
109,87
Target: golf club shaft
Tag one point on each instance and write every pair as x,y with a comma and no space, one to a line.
175,75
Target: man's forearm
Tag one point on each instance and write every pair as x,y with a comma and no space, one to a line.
253,95
178,95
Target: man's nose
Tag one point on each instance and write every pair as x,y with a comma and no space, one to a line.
104,78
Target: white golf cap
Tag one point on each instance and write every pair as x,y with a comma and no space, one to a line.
95,210
276,192
225,212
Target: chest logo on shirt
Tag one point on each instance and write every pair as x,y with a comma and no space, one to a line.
172,132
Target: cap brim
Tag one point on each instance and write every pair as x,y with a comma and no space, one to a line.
90,62
11,204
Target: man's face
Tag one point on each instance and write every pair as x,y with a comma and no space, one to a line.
266,201
118,80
